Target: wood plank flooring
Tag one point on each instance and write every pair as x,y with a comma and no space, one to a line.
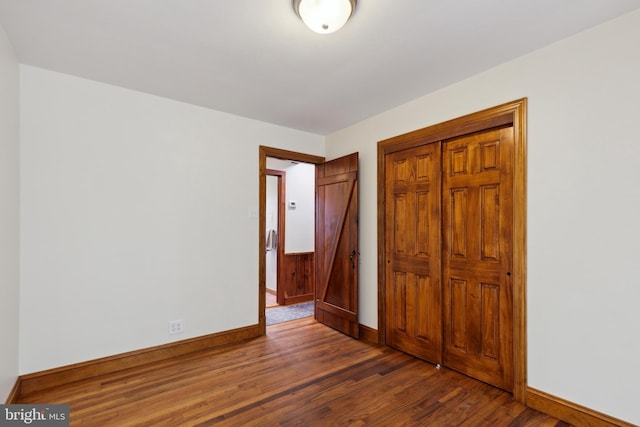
300,374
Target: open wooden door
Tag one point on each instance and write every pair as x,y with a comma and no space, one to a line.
336,245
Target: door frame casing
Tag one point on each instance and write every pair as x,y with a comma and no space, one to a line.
513,113
263,153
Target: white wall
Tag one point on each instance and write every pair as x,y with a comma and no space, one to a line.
583,206
9,216
135,211
300,222
271,257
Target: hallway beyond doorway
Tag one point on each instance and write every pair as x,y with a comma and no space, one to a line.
279,314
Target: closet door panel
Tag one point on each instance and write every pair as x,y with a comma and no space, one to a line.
413,306
477,256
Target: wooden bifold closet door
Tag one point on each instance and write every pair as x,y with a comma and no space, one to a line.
412,215
448,248
477,209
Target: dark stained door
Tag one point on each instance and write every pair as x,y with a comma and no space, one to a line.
336,245
477,213
412,234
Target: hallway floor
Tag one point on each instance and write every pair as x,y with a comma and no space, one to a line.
271,300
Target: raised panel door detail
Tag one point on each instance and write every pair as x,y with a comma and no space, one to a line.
400,235
422,223
490,320
490,222
400,300
424,167
426,313
489,155
459,161
458,225
400,171
458,314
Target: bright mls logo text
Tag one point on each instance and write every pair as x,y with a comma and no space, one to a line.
39,415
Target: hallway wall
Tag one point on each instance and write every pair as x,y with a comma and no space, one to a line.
271,257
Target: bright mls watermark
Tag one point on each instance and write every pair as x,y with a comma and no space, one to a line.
34,415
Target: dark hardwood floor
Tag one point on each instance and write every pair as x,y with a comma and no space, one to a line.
301,374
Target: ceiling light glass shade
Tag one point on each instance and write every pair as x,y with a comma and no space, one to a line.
324,16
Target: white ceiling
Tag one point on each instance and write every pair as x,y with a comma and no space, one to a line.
255,58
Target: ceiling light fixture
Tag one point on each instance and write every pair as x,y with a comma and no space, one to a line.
324,16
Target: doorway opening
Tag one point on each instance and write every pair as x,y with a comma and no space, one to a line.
290,227
276,190
335,267
271,162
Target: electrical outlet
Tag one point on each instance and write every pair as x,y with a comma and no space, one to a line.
176,327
